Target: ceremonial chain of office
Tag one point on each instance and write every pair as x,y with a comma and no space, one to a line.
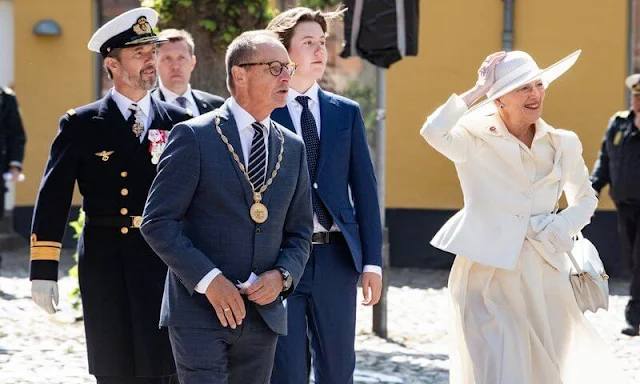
258,211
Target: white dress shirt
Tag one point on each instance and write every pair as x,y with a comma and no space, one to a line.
295,111
124,103
170,97
243,121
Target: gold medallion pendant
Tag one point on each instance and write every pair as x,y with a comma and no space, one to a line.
259,213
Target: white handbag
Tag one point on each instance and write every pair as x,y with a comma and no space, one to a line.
588,278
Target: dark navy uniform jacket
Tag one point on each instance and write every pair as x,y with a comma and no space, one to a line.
618,163
121,278
12,135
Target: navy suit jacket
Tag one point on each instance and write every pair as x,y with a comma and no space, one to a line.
197,217
345,166
206,101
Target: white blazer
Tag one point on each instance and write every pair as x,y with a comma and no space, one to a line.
492,225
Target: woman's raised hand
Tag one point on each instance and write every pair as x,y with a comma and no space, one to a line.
486,78
487,71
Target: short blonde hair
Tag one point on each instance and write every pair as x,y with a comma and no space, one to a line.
175,35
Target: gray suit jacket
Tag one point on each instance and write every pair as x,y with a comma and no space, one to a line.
197,218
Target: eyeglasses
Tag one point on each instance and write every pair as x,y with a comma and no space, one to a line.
275,67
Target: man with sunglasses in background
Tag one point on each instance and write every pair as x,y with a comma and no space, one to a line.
232,204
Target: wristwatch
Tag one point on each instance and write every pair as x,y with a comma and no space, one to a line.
287,280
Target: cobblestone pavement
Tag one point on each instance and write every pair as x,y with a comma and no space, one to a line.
38,348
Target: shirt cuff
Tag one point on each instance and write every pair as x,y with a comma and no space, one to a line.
202,286
373,268
16,164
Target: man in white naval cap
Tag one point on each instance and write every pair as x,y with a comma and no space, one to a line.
110,148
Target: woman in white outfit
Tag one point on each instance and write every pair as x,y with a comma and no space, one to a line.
516,320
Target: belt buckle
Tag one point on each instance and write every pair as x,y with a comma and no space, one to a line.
136,221
324,240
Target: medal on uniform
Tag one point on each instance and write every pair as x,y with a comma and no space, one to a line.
137,128
258,211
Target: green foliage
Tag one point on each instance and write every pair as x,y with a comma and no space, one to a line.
321,4
223,20
365,95
77,226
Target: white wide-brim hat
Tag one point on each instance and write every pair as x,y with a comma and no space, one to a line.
516,69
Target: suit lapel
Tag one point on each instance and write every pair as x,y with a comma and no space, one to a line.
160,121
115,126
230,130
283,117
329,118
203,106
493,130
158,94
274,151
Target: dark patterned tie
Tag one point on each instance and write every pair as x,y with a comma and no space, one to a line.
257,168
312,143
182,101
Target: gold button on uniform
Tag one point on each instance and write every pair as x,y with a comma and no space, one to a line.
123,174
124,211
124,191
124,230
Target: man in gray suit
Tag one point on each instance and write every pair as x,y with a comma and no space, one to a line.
232,203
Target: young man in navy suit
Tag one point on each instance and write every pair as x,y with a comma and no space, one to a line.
347,238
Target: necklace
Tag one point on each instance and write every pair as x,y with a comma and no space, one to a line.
258,211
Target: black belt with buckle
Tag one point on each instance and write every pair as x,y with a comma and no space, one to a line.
326,237
115,221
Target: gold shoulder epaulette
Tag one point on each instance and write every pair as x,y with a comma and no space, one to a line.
622,114
71,112
8,91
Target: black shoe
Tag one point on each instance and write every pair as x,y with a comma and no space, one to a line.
631,330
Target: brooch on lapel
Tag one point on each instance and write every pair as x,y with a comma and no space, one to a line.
104,155
157,142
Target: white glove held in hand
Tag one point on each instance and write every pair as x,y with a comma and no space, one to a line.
552,230
45,293
555,236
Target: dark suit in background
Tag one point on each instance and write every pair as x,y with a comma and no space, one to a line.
12,137
205,101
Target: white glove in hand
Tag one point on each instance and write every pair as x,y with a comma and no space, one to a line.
45,293
555,236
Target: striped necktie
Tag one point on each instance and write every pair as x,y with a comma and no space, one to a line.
257,168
